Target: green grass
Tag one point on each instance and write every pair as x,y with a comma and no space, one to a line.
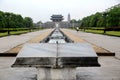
13,33
3,34
19,31
95,31
111,33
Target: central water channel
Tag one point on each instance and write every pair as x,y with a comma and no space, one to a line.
57,36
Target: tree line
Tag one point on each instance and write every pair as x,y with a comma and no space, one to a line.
11,20
109,18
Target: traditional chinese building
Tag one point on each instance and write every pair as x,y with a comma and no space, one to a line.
56,18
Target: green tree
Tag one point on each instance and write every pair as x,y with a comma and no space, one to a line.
2,20
94,19
8,19
28,22
113,17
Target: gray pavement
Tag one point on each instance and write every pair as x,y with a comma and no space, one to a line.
8,42
109,70
8,73
108,42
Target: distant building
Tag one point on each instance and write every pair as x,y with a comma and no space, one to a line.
56,18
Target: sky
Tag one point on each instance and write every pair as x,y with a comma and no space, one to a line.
41,10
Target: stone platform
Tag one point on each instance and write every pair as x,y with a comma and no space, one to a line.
52,55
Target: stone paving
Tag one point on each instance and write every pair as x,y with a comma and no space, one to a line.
8,44
75,37
109,70
8,73
107,42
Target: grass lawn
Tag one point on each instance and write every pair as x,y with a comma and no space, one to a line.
111,33
13,33
3,34
95,31
19,31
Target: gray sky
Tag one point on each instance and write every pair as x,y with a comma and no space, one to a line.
43,9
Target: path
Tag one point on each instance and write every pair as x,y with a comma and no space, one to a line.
9,42
108,42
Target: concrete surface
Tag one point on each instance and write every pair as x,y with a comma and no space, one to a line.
8,73
56,74
9,42
109,70
110,43
77,39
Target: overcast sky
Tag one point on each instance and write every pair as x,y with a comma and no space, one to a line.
43,9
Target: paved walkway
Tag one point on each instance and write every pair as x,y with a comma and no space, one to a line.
9,42
108,42
99,50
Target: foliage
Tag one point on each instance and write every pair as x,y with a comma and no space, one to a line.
11,20
28,22
110,18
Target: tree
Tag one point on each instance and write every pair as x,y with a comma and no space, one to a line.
114,17
2,20
39,24
12,21
73,21
8,19
28,22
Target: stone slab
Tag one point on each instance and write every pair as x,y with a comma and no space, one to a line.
36,55
50,55
76,50
77,54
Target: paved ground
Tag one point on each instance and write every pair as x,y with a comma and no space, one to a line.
108,42
109,70
9,42
77,39
8,73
